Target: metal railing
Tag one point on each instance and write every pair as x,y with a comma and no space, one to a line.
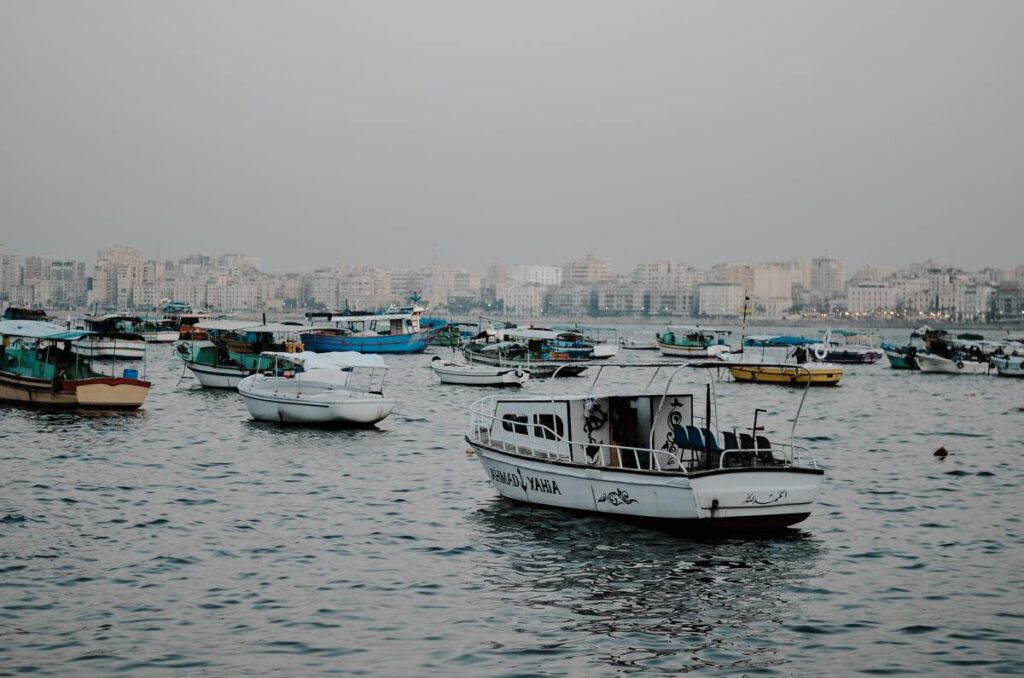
555,447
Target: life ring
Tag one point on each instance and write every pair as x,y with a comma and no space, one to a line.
820,352
959,364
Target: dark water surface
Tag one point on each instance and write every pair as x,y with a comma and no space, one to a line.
186,538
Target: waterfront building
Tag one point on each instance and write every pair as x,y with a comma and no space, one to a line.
720,300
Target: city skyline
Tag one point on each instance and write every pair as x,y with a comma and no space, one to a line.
123,279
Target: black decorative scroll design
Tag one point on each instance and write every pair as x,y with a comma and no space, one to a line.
675,418
617,498
773,497
594,419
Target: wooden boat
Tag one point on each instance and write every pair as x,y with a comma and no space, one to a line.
693,342
318,388
111,337
478,375
544,353
233,350
39,368
645,457
394,330
820,374
158,331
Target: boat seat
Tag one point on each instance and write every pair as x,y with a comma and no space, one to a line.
688,437
729,439
696,438
714,452
749,449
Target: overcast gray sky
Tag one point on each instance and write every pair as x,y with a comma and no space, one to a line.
314,133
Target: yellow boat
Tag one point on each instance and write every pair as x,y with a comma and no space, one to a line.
818,375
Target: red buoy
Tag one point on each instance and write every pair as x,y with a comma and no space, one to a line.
941,452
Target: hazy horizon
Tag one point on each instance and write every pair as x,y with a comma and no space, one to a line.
312,134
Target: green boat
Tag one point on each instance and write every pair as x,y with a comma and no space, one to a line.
232,351
39,368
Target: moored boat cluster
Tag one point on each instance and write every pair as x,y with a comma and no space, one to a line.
652,456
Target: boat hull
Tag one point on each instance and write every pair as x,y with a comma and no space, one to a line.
99,393
868,357
415,342
635,345
107,349
161,337
901,361
537,368
211,376
1009,366
292,401
605,350
933,364
470,375
789,376
672,350
720,499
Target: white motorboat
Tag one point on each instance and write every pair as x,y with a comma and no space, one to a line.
1009,365
317,388
644,456
478,375
931,363
638,344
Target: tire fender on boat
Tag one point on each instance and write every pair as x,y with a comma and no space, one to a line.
959,364
519,374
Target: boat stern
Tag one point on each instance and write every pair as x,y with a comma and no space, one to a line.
756,497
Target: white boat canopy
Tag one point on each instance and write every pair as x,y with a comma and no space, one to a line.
36,329
334,359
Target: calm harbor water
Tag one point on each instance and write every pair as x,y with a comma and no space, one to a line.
187,538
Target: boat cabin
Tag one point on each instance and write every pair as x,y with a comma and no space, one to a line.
643,432
394,322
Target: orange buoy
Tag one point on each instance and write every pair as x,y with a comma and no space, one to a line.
941,452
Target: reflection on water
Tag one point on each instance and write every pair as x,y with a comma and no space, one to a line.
635,598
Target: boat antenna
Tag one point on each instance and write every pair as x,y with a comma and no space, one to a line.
743,328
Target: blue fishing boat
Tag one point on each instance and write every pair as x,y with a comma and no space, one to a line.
395,330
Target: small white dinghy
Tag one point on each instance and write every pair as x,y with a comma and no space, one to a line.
478,375
318,388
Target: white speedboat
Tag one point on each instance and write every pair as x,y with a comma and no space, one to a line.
1009,365
478,375
928,362
318,388
642,456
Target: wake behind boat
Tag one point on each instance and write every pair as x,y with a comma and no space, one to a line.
318,388
642,456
